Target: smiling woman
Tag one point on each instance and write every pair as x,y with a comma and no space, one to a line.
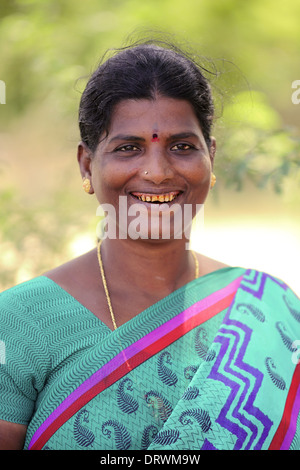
178,166
128,346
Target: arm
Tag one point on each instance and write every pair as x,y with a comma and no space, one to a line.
24,365
12,435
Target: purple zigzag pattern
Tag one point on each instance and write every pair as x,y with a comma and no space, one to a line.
254,282
216,374
208,445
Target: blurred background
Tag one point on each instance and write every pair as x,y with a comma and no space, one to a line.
251,50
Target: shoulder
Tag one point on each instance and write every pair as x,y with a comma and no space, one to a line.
32,303
21,307
75,273
79,278
24,293
45,291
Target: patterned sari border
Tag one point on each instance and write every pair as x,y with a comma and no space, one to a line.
134,355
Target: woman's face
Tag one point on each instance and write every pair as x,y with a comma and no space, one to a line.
156,157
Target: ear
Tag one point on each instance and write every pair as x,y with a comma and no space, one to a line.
84,157
212,150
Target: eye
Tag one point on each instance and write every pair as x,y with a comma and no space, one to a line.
127,148
182,147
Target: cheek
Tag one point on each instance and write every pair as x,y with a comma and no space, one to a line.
199,175
109,179
199,179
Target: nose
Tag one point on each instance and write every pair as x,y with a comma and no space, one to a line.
157,167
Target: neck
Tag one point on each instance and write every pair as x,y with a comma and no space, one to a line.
158,268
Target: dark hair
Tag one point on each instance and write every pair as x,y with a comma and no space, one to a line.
143,72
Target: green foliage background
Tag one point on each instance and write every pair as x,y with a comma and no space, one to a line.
48,48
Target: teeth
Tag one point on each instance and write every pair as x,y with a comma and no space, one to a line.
157,198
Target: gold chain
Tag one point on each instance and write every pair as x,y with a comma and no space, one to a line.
105,283
196,265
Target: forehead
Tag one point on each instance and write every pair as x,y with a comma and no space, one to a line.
159,115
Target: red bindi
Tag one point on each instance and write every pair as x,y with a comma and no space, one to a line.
155,138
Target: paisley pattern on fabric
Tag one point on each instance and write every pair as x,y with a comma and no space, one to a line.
292,307
149,434
250,309
125,400
199,415
113,429
275,377
190,371
190,393
286,339
165,373
161,406
201,342
166,438
83,435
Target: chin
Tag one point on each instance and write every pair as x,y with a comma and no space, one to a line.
160,227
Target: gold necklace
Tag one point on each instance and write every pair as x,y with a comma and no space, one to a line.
105,283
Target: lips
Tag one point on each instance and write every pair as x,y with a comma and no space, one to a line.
156,198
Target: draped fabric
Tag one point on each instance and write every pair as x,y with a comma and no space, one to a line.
212,366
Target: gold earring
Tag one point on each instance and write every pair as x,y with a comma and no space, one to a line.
86,184
213,180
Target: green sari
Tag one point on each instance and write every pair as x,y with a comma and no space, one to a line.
211,366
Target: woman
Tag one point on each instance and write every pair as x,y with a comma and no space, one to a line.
141,343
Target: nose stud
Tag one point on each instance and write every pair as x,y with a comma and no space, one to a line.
146,172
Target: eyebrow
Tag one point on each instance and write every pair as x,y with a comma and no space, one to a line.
183,135
130,138
127,138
